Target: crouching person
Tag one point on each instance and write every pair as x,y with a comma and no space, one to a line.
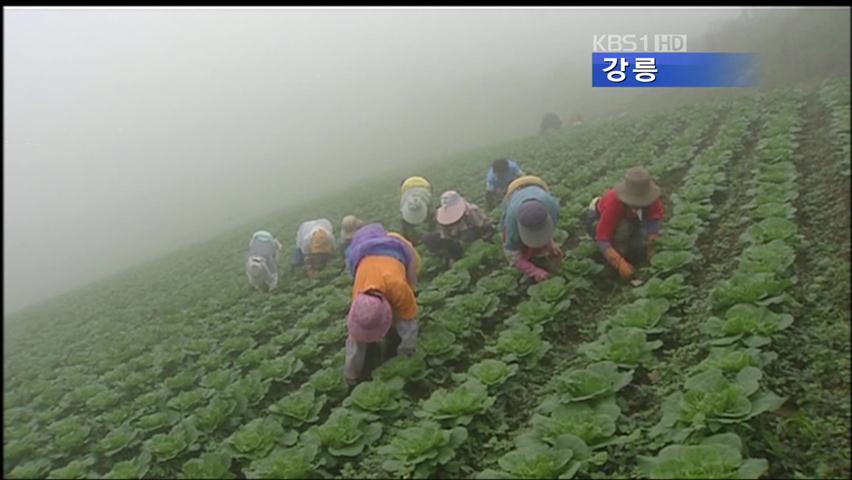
461,223
381,320
314,246
625,221
530,214
262,261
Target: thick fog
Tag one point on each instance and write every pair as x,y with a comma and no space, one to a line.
129,133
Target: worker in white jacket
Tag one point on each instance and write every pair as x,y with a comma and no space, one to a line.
314,245
262,261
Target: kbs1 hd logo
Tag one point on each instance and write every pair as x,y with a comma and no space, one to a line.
662,60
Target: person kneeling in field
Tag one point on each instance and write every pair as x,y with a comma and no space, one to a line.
262,261
530,214
385,267
625,221
461,223
314,245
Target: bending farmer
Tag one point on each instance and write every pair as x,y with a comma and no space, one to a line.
625,221
385,268
530,214
314,245
502,172
262,261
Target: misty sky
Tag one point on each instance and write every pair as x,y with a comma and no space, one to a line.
131,132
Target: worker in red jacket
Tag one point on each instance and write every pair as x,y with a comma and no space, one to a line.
625,221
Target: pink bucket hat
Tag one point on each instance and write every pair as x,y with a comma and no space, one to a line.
369,318
452,208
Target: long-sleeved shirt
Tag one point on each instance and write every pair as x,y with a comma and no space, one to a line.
611,210
494,182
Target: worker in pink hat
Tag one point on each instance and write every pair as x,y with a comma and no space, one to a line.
384,266
460,223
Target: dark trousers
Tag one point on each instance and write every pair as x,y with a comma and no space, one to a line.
379,352
493,198
629,240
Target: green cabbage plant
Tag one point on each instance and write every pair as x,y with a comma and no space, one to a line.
534,312
775,257
438,343
595,382
747,287
644,314
329,381
376,398
625,346
521,343
166,446
209,418
417,451
491,372
751,324
671,288
117,440
409,368
300,407
257,438
553,290
536,459
457,406
208,465
281,368
710,401
81,468
593,422
769,229
134,468
717,456
671,261
731,359
346,433
298,461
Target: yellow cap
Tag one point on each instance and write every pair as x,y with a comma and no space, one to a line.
412,182
525,181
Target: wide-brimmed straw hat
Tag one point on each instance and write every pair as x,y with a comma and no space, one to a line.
535,226
414,206
370,317
452,209
349,226
637,189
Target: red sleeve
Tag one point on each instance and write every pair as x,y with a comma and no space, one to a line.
609,208
655,212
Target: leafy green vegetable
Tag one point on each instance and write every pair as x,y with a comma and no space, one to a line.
135,468
671,288
596,381
117,440
80,468
208,465
300,407
377,398
671,261
750,323
409,368
438,343
710,401
625,346
520,342
255,439
298,461
499,283
459,405
644,313
329,381
211,417
492,372
717,456
280,368
417,451
769,229
742,287
535,459
346,433
551,291
775,257
165,446
535,312
593,423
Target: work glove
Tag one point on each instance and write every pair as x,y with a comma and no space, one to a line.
531,270
651,243
623,266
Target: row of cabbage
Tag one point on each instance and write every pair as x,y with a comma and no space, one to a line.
834,94
574,424
722,392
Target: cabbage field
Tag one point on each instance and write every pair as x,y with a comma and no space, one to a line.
731,361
